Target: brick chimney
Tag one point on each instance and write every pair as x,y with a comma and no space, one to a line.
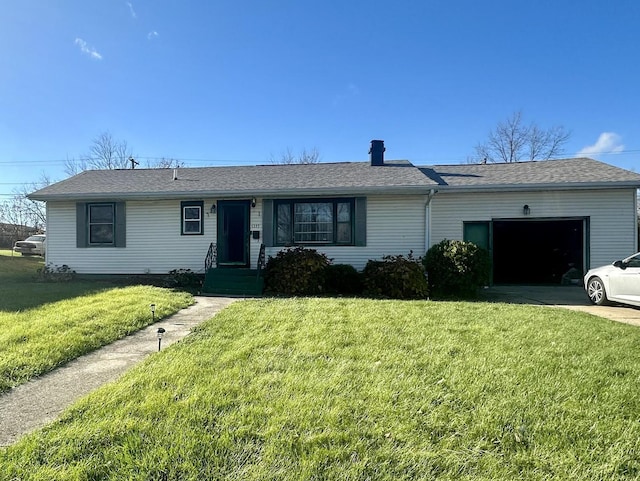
377,152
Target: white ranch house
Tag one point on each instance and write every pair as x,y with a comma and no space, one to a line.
537,218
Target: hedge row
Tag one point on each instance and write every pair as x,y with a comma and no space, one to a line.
450,268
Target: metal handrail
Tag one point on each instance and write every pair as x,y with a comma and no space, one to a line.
212,257
261,259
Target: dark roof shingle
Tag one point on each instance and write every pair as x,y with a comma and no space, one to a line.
347,178
567,172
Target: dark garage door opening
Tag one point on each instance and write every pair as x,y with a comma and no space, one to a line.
536,251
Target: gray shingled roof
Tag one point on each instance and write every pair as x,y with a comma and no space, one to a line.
262,180
348,178
564,173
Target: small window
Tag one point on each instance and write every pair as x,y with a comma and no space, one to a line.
192,217
101,224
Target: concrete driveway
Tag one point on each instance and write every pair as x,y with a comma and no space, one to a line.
569,297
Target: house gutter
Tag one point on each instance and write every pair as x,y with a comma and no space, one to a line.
545,186
427,219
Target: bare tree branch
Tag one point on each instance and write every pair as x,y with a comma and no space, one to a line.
105,153
165,163
22,211
513,141
311,156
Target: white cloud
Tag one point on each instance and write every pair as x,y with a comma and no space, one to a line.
131,10
151,35
607,143
86,49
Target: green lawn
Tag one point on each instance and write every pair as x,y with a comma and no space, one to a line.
325,389
46,324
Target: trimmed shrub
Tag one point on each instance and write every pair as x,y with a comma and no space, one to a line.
296,272
457,268
343,279
395,277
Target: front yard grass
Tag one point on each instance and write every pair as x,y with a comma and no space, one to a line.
46,324
305,389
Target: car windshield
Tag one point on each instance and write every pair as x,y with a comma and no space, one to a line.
633,261
36,238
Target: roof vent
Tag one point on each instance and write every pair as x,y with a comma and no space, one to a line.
377,152
175,174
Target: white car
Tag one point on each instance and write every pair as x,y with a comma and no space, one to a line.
618,282
35,245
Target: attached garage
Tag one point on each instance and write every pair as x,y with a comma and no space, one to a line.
538,219
537,251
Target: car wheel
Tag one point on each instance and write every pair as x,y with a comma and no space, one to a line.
597,293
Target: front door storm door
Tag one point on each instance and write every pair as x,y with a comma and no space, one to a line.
233,233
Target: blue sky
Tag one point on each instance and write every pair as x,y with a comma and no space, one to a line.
238,81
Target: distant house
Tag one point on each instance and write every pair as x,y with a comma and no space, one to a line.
536,218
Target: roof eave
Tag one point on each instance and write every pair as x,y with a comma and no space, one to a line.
306,192
547,186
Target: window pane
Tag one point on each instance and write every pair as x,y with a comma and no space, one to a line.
101,234
313,222
344,233
192,213
344,212
283,227
191,227
100,213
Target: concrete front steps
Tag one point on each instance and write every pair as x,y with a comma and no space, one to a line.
233,282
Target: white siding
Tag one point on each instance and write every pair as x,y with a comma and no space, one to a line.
612,215
395,225
154,242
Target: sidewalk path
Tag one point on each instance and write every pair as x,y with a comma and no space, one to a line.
32,405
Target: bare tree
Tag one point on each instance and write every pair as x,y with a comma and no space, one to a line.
105,153
165,163
311,156
21,211
513,141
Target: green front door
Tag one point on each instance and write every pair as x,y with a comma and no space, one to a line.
233,233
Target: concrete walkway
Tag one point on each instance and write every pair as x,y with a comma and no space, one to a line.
568,297
32,405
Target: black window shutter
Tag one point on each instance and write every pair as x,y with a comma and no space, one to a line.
121,225
361,221
267,222
81,224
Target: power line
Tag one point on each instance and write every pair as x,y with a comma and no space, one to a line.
58,161
231,162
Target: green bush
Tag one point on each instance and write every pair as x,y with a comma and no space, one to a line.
456,268
296,272
343,279
395,277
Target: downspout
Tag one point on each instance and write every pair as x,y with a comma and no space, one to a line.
427,219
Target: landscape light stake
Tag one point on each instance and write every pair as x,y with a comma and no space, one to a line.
161,331
153,312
